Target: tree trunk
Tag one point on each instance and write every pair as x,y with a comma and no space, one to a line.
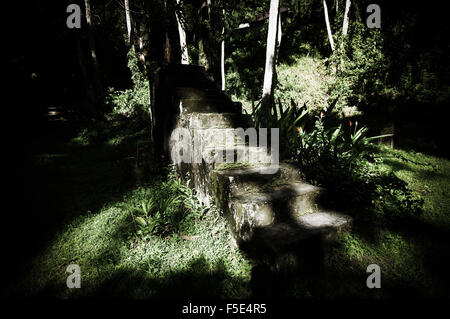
279,34
208,4
93,51
182,32
222,54
128,19
203,57
345,24
88,86
327,21
267,98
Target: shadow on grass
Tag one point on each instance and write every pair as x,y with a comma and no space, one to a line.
342,277
53,183
327,270
435,249
199,279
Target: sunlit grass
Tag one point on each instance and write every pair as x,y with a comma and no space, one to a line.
413,258
102,244
97,233
86,196
428,176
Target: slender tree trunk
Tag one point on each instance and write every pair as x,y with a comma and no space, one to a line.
182,32
208,4
88,86
346,18
128,19
93,51
337,6
327,21
279,35
202,55
222,54
269,70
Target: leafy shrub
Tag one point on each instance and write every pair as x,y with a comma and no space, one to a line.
337,155
170,206
343,160
133,101
306,81
358,67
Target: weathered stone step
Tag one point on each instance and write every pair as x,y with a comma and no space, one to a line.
253,179
256,178
325,222
194,93
210,106
219,120
182,75
259,174
289,234
253,208
292,245
237,153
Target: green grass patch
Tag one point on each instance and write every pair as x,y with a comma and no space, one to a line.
88,194
85,197
115,263
414,254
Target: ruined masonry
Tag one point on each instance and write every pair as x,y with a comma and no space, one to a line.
274,215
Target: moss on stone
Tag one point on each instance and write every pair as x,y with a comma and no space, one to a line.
225,166
273,184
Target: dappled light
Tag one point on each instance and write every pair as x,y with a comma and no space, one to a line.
247,150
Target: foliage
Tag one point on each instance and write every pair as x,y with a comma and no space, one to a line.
338,155
88,216
358,66
245,64
305,80
132,101
343,160
171,207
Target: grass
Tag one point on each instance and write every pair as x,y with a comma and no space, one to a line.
115,263
83,192
428,176
414,254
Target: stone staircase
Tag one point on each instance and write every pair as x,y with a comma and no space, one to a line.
274,216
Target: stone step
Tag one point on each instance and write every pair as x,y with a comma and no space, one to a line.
292,245
236,154
219,139
241,175
277,202
189,76
194,93
325,222
210,106
252,179
255,177
251,200
282,235
218,120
